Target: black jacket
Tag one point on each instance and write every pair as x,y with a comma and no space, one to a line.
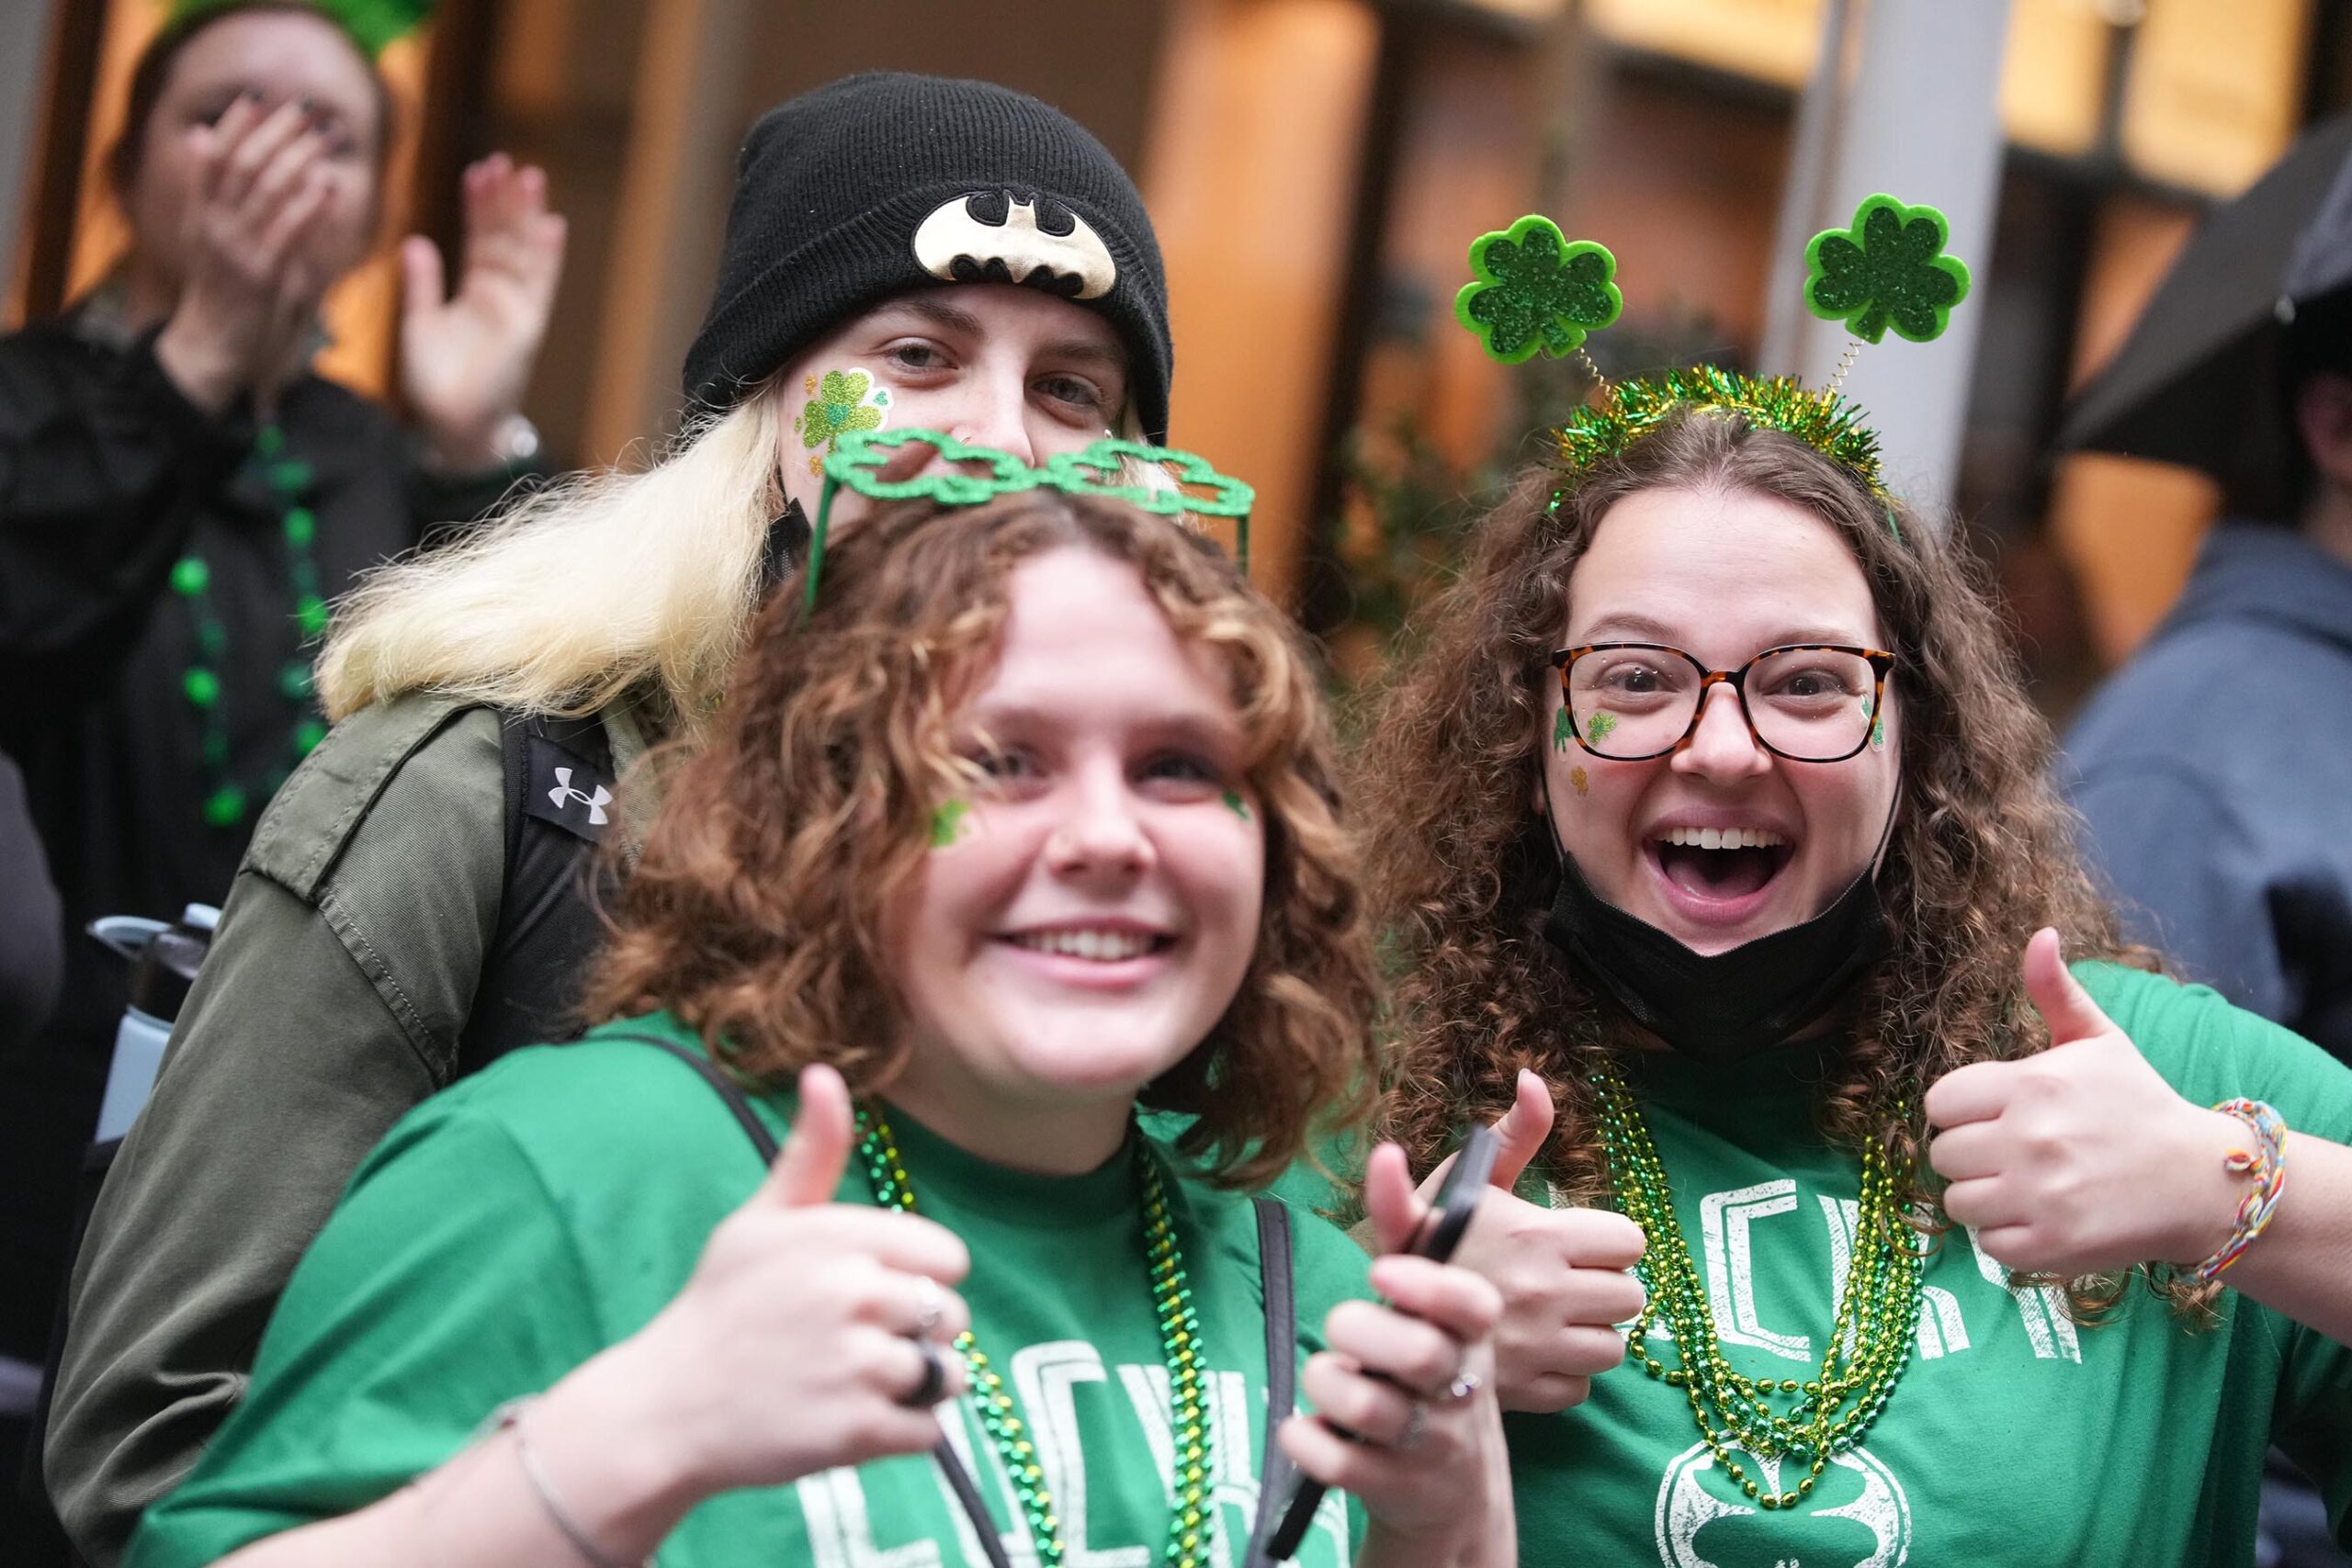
108,476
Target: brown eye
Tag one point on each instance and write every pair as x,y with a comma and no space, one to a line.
916,356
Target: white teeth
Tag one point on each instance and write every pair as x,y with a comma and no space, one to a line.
1724,837
1096,947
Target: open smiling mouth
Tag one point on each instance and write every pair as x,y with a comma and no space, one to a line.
1094,946
1720,863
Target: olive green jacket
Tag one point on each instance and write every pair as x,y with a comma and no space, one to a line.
332,1003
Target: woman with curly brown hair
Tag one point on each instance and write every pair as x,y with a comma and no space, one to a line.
1028,820
1714,805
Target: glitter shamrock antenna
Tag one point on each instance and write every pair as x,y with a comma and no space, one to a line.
1536,290
1886,269
1159,479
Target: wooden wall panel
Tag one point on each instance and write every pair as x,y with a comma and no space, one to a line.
1251,166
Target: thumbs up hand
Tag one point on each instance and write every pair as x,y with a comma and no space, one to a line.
1562,1273
2080,1159
793,1349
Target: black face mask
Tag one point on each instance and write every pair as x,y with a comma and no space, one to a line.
1719,1008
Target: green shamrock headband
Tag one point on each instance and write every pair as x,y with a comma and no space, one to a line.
859,456
372,24
1536,289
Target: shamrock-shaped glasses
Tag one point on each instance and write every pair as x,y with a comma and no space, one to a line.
1158,479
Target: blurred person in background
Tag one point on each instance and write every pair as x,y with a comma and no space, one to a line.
181,495
2214,773
900,250
2214,770
32,954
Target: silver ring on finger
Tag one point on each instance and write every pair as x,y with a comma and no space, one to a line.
931,1305
1416,1421
933,1382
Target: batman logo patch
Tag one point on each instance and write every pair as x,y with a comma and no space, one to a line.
995,236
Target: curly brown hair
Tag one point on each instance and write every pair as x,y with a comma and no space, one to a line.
1465,871
754,912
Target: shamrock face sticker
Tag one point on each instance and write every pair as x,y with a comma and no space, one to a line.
839,402
1887,270
1878,727
1564,729
1536,290
1582,780
947,823
1597,727
1235,804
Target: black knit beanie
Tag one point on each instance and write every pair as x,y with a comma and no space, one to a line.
886,182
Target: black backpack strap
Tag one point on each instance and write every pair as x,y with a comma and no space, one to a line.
559,784
1275,1273
959,1480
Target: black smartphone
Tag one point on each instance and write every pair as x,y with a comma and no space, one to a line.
1440,1233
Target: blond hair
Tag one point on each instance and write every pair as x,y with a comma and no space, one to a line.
579,591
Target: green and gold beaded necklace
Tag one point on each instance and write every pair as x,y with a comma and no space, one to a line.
1870,1343
1190,1525
227,802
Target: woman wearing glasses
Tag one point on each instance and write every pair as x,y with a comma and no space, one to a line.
1715,801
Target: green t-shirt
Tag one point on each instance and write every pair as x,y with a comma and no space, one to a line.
2013,1436
510,1228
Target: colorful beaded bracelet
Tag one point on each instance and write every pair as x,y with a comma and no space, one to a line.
2267,1162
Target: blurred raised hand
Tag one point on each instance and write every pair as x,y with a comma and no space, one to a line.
248,290
466,357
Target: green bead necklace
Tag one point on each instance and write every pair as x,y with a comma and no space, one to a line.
1870,1344
226,801
1191,1523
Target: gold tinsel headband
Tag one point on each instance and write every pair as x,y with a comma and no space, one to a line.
1825,421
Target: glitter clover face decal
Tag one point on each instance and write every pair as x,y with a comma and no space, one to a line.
947,823
839,402
1235,804
1887,270
1537,290
1597,727
1564,729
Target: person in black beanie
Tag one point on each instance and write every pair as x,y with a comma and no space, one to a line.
902,250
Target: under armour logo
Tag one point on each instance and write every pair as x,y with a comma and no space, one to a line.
594,802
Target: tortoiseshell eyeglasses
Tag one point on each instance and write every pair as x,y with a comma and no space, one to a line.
1806,702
